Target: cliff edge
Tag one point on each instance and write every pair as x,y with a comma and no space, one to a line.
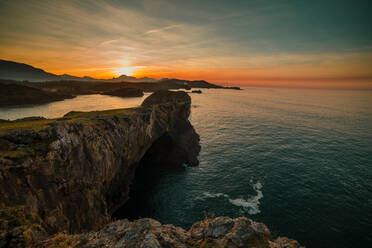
62,179
70,174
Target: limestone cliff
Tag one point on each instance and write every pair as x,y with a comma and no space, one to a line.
70,174
62,179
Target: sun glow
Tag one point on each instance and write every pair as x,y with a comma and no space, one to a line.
125,71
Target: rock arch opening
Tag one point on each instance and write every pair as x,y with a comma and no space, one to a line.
163,155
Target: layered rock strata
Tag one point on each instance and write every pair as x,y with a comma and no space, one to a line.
62,179
70,174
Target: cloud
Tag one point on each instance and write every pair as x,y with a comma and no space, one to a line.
162,29
80,36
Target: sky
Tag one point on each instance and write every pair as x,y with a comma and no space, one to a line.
298,43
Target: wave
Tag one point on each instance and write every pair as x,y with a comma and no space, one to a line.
250,204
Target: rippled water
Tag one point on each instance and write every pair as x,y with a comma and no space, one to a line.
298,160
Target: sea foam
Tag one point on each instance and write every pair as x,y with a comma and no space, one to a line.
250,204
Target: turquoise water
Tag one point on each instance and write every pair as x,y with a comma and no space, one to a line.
298,160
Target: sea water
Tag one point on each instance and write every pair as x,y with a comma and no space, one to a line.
299,160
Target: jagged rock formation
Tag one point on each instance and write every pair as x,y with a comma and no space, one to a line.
149,233
61,177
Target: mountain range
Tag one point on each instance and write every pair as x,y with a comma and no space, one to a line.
23,72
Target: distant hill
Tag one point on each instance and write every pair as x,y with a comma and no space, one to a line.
132,79
23,72
18,71
17,94
171,83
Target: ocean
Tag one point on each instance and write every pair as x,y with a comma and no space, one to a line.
298,160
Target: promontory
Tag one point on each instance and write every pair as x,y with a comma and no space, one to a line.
61,180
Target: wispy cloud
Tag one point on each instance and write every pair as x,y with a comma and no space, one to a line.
80,37
163,28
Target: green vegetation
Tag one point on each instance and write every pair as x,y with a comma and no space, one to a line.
73,116
16,125
77,115
39,147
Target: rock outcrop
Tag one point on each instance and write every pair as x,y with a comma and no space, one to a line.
149,233
62,179
71,174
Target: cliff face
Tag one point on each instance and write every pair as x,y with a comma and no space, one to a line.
62,179
72,173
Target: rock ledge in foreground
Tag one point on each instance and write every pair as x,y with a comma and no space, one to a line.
149,233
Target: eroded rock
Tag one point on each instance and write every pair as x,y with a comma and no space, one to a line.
73,173
149,233
61,179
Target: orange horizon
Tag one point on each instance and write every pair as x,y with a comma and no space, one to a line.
105,39
335,75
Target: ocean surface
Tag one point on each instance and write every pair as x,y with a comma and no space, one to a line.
298,160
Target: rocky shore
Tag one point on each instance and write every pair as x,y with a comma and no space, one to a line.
149,233
62,179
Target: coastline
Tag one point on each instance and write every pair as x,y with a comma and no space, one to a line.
52,166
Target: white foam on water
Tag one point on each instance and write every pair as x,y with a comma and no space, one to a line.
215,195
251,204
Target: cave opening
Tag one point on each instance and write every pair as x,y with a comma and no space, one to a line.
164,155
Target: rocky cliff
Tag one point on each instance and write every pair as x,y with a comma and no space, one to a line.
69,175
220,232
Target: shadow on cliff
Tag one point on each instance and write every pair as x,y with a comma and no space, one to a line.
164,155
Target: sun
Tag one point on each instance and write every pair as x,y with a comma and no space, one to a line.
125,71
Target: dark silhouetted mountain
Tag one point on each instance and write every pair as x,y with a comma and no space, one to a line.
130,79
16,94
18,71
71,85
23,72
174,82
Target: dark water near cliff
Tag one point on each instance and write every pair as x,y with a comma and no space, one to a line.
298,160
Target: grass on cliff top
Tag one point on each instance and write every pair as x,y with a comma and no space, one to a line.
35,125
126,111
72,116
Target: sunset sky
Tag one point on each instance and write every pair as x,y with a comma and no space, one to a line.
287,43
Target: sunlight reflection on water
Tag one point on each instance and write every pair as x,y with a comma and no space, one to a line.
79,103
